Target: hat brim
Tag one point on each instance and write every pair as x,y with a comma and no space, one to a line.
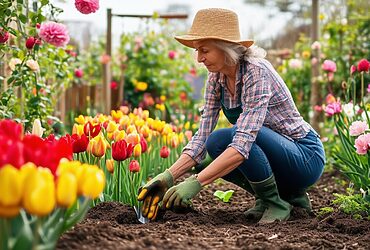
188,40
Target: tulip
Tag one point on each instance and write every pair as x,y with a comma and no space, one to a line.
110,165
133,138
121,150
9,211
39,192
37,128
144,144
119,135
97,146
10,186
80,119
11,128
164,152
134,166
91,182
92,130
78,129
137,150
79,143
116,115
66,189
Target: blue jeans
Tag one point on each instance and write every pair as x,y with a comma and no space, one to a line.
296,164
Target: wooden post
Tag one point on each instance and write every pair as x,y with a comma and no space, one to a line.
315,98
106,67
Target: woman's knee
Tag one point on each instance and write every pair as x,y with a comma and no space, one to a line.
218,141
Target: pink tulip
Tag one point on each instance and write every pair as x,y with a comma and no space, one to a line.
363,65
333,108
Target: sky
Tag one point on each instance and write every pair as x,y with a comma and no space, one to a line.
255,22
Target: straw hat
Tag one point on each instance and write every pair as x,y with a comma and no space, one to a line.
214,23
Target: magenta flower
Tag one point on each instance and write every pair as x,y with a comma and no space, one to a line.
79,73
357,128
87,6
363,65
368,88
333,108
353,69
329,66
362,144
54,33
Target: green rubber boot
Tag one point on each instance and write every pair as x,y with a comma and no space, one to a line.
277,208
236,177
299,199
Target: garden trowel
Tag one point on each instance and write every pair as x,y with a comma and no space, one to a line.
139,215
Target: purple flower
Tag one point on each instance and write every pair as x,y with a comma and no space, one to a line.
54,33
87,6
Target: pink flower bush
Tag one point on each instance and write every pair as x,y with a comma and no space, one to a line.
54,33
333,108
329,66
358,128
87,6
362,144
78,73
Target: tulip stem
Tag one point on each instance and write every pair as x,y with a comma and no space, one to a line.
4,233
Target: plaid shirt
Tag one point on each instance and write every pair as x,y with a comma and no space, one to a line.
265,100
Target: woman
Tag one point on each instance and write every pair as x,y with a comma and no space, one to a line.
270,151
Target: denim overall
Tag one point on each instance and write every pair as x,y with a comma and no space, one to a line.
295,164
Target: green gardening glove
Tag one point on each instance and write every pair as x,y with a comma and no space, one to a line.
179,196
153,192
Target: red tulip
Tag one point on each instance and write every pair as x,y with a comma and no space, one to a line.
121,150
134,166
113,85
353,69
90,130
4,36
144,144
79,143
164,152
363,65
30,42
11,153
11,129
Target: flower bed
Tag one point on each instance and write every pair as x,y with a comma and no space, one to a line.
217,225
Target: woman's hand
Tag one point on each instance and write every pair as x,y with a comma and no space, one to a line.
180,195
152,193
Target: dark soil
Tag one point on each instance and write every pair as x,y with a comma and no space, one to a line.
213,224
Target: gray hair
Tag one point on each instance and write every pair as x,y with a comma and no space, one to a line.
234,52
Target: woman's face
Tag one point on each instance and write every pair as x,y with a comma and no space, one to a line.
210,55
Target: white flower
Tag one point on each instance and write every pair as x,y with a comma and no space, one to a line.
37,129
13,62
348,109
316,45
295,63
33,65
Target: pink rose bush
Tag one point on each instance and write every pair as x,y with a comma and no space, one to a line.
54,33
87,6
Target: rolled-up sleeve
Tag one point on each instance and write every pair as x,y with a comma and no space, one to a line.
255,97
196,146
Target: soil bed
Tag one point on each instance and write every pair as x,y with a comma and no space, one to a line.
213,224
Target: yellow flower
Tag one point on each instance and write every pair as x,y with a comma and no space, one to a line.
124,121
78,129
137,150
116,115
161,107
306,54
80,120
187,125
112,126
97,146
141,86
139,123
110,165
133,138
163,98
144,131
10,186
9,211
167,129
66,189
39,192
92,182
145,114
119,135
131,129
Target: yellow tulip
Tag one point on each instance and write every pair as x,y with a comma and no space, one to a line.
119,135
112,126
167,129
163,98
91,182
124,121
78,129
139,123
80,120
10,186
39,192
66,190
187,125
145,114
131,129
144,131
141,86
116,115
137,150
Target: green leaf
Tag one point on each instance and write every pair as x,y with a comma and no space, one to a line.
224,196
22,18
